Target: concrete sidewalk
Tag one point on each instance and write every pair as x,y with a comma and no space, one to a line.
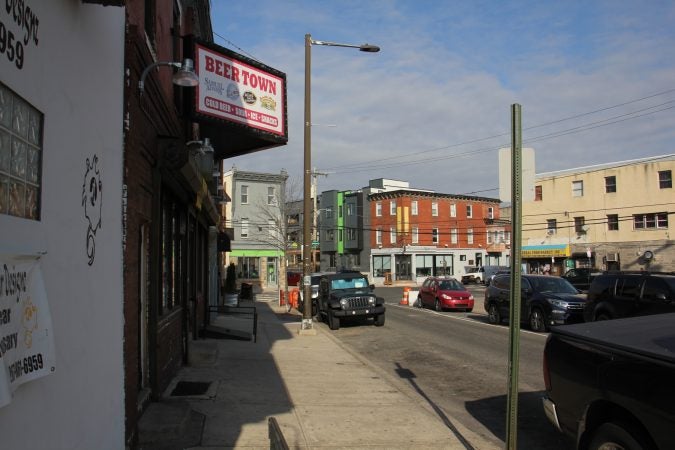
320,394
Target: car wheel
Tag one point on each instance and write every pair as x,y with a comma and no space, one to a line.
603,316
418,303
437,306
537,320
379,320
333,322
617,436
493,315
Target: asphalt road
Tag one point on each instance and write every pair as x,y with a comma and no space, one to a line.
458,364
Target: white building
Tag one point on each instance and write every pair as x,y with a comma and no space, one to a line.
61,221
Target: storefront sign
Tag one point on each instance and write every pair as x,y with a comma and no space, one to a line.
232,90
545,251
26,336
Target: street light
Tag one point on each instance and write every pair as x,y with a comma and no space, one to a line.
185,76
307,201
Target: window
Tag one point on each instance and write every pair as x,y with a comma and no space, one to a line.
424,265
351,234
330,235
392,208
378,209
415,235
610,184
579,225
328,212
244,227
490,238
434,209
665,179
469,236
272,227
453,236
538,196
340,211
577,188
21,131
392,235
491,212
350,209
434,236
271,196
340,235
244,194
612,222
413,207
650,221
551,226
453,210
381,265
469,211
378,236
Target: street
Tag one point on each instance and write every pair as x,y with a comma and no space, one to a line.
458,364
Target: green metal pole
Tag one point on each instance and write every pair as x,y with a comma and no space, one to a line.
514,313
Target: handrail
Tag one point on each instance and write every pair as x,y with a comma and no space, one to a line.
238,310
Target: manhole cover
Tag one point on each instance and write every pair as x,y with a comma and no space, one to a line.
190,388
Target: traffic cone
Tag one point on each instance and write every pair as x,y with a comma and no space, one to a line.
406,293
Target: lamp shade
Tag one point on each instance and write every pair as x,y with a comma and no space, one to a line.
186,76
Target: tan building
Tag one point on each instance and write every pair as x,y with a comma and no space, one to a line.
608,216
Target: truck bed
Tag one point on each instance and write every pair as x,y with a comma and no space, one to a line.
652,336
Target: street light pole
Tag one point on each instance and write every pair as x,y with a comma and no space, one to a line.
307,185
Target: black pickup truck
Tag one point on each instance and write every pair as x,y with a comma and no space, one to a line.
611,384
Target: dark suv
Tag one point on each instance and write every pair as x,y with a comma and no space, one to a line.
545,300
626,294
581,277
346,295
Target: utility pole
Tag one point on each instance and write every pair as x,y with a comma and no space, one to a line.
315,211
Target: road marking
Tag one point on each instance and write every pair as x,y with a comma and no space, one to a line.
465,319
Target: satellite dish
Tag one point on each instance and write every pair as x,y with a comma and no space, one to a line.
648,255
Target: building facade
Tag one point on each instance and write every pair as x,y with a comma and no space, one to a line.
415,234
61,191
258,220
609,216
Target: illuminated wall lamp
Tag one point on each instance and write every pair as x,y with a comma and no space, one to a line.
185,76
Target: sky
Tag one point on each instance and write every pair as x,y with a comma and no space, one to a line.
595,81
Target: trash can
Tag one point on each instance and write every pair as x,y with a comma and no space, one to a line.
246,292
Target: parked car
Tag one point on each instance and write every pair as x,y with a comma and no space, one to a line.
315,280
581,277
545,300
348,295
444,293
481,274
488,281
609,384
627,294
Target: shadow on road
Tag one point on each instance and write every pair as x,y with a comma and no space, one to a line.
408,374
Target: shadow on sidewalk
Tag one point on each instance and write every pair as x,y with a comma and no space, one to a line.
409,375
244,389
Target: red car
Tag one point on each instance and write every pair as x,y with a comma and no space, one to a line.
444,293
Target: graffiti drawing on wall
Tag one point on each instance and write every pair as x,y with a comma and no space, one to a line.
92,201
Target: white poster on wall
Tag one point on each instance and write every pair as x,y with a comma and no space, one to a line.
26,337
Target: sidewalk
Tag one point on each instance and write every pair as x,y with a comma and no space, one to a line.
320,394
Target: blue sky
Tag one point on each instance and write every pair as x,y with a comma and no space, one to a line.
433,107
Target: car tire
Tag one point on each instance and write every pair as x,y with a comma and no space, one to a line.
538,321
379,320
333,322
437,306
419,303
493,314
602,316
617,435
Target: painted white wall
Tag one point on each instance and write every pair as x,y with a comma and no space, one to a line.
75,77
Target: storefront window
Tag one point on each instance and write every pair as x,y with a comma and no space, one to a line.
248,267
381,265
20,156
424,265
171,255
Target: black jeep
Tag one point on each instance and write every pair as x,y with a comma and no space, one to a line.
348,295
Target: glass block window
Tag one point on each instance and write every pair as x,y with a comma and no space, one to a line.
20,156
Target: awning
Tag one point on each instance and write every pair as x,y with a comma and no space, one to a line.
256,253
545,251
